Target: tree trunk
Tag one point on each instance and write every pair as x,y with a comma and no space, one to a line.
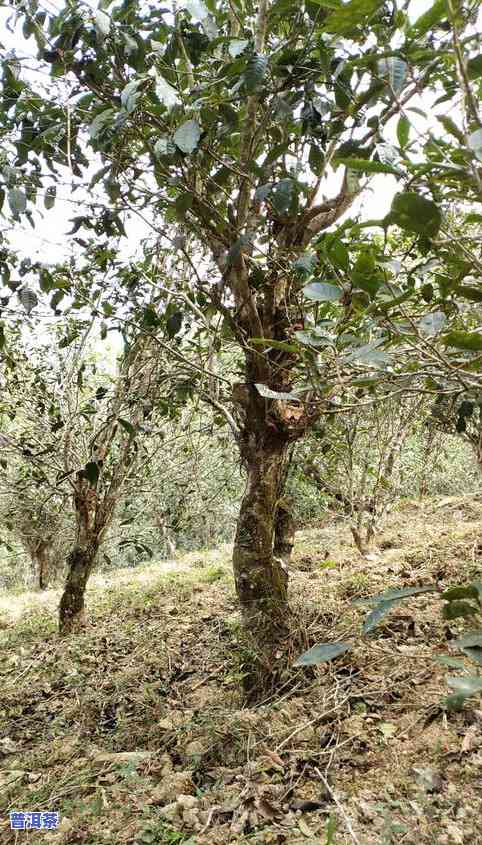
41,566
261,577
80,564
43,569
284,531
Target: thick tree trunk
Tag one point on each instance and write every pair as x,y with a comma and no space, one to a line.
284,531
261,577
80,564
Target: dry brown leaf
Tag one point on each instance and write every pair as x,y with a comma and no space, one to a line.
470,740
268,810
274,757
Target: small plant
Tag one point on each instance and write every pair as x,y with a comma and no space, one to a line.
330,831
328,564
214,573
462,601
161,833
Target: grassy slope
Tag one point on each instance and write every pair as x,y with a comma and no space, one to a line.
157,671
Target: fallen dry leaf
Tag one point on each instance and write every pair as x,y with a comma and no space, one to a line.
470,740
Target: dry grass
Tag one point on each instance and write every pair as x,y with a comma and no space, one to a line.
362,741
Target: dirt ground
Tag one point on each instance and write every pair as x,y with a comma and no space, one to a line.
135,730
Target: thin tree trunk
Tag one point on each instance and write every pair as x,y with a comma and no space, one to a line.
43,569
80,564
38,552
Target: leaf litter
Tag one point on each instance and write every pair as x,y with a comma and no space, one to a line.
135,730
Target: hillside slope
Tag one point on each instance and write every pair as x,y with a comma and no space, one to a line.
135,730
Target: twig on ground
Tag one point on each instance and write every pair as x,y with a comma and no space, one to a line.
339,806
318,718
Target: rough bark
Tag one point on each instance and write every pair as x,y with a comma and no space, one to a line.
284,531
43,568
261,577
80,564
40,555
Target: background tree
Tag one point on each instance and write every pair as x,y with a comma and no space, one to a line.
229,123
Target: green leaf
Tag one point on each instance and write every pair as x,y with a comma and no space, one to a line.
369,354
467,592
470,293
453,662
339,254
474,653
432,323
471,341
196,9
321,654
474,67
184,203
68,339
451,127
131,45
322,292
263,191
316,159
255,72
126,425
28,298
49,198
327,4
415,213
403,131
471,640
236,47
376,615
456,609
396,595
395,70
56,298
166,93
454,702
305,264
282,195
91,472
174,323
361,165
102,24
17,201
330,828
475,143
100,122
187,136
430,18
129,99
150,318
346,19
310,339
163,147
465,686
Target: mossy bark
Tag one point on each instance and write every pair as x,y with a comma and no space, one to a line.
261,577
284,531
71,610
